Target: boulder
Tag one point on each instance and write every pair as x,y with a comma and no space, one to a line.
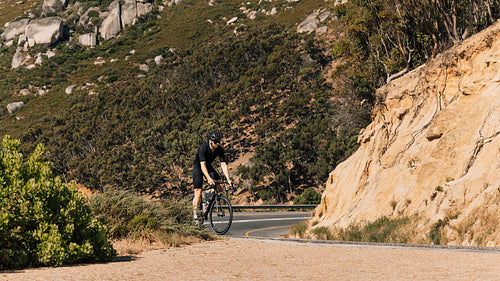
231,21
309,25
85,19
143,8
22,40
158,59
112,22
15,106
323,16
53,6
18,59
45,31
129,12
14,29
88,39
322,30
39,59
69,90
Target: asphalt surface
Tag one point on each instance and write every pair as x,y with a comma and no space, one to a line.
264,224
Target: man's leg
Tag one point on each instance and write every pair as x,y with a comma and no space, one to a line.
198,184
197,198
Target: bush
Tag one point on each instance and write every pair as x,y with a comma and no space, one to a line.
382,230
309,196
43,221
131,216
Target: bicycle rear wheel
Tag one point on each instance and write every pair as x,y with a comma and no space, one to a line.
220,215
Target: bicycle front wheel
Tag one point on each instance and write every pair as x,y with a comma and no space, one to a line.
220,215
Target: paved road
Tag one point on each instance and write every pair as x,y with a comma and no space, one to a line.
264,224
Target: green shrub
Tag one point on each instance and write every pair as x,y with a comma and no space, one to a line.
309,196
44,221
131,216
299,229
382,230
323,233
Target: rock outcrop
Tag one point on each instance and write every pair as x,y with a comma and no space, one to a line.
14,29
45,31
88,39
432,150
15,106
52,6
112,22
129,12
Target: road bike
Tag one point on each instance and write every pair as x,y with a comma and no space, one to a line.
216,208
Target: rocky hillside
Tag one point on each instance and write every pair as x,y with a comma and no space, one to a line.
431,153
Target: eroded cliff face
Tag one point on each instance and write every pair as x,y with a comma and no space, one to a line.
431,152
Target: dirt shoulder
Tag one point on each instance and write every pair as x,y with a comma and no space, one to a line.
275,260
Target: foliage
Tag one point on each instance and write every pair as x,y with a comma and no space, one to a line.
43,221
384,230
140,130
299,229
323,233
130,216
309,196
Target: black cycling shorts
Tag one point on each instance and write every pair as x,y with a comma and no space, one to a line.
198,175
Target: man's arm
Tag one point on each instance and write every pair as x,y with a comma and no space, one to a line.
223,165
205,172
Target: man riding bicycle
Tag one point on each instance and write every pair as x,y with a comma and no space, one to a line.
202,166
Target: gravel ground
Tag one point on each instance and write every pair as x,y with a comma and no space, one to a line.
276,260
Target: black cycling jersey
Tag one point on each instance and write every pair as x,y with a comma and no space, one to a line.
205,154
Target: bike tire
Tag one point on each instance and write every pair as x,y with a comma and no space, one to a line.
220,215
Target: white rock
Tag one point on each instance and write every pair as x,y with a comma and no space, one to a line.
50,54
31,42
39,59
88,39
18,59
24,92
308,25
85,19
323,16
112,23
69,89
158,59
144,67
22,40
9,43
14,29
231,21
322,30
144,8
129,12
52,6
99,61
45,30
30,66
15,106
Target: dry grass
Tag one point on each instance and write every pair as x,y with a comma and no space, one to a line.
129,246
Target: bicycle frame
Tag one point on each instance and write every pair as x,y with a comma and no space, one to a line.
214,195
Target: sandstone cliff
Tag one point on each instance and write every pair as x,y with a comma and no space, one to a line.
432,150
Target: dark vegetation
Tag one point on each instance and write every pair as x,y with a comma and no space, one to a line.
300,120
43,221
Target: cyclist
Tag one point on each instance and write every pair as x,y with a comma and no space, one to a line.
202,166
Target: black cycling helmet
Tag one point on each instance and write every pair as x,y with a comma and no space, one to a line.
214,136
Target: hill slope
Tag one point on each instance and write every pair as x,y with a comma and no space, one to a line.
431,151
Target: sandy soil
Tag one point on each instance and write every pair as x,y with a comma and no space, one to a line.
274,260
